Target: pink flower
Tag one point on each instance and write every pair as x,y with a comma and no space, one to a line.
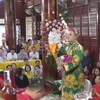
47,24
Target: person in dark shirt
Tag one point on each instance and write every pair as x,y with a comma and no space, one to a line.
96,73
86,59
34,91
21,80
19,45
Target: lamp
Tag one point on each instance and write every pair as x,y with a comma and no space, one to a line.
37,9
28,11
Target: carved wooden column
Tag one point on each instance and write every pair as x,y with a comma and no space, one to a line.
47,7
52,9
10,22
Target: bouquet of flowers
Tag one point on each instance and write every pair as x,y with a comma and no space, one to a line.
54,85
56,30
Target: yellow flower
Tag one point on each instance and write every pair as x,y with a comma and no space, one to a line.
67,96
70,81
81,80
66,66
69,53
75,60
78,47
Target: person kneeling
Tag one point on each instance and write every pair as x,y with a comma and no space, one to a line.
34,91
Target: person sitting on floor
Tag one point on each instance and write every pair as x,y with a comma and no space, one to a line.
86,72
96,73
21,80
97,65
34,91
14,68
86,59
96,89
9,68
29,73
26,62
37,63
38,72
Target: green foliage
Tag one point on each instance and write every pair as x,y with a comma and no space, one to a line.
54,86
65,15
50,61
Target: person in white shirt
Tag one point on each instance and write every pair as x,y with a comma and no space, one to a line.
34,54
4,47
12,55
26,62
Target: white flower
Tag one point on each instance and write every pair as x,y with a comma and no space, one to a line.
62,57
54,38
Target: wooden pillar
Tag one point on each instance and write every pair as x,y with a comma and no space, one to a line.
47,7
23,27
52,9
10,22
